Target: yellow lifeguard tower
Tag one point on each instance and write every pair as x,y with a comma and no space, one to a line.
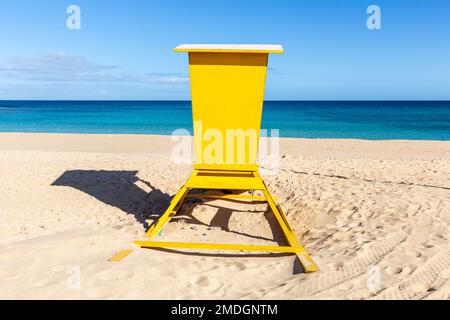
227,88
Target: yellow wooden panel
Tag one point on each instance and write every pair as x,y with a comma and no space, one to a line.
227,92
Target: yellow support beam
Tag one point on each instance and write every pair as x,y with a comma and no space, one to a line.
306,261
226,167
174,206
222,182
218,246
120,255
294,247
225,196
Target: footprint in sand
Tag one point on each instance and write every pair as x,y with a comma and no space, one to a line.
99,293
95,266
358,294
413,253
419,288
43,283
429,245
211,268
337,265
445,274
393,270
115,274
6,272
59,268
345,287
167,272
437,239
407,270
236,266
203,281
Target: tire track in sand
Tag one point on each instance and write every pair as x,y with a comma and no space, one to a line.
425,278
351,269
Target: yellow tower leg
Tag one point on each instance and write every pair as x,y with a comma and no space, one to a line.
305,259
234,180
174,206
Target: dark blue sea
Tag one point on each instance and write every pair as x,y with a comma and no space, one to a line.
374,120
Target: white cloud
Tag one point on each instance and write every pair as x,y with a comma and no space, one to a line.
274,70
62,67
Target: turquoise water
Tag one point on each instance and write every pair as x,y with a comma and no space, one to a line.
417,120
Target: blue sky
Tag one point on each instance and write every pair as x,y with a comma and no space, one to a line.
124,48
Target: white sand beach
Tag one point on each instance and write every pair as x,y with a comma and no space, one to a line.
68,202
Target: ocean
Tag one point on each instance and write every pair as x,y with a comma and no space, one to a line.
373,120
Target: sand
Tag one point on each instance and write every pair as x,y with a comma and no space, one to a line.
365,210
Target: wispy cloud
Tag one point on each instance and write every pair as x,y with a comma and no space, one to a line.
274,70
62,67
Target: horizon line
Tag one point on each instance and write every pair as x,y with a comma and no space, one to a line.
270,100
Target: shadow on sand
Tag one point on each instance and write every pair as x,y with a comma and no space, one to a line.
119,189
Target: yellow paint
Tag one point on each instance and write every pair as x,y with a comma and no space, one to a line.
227,92
217,246
226,167
236,181
120,255
225,196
